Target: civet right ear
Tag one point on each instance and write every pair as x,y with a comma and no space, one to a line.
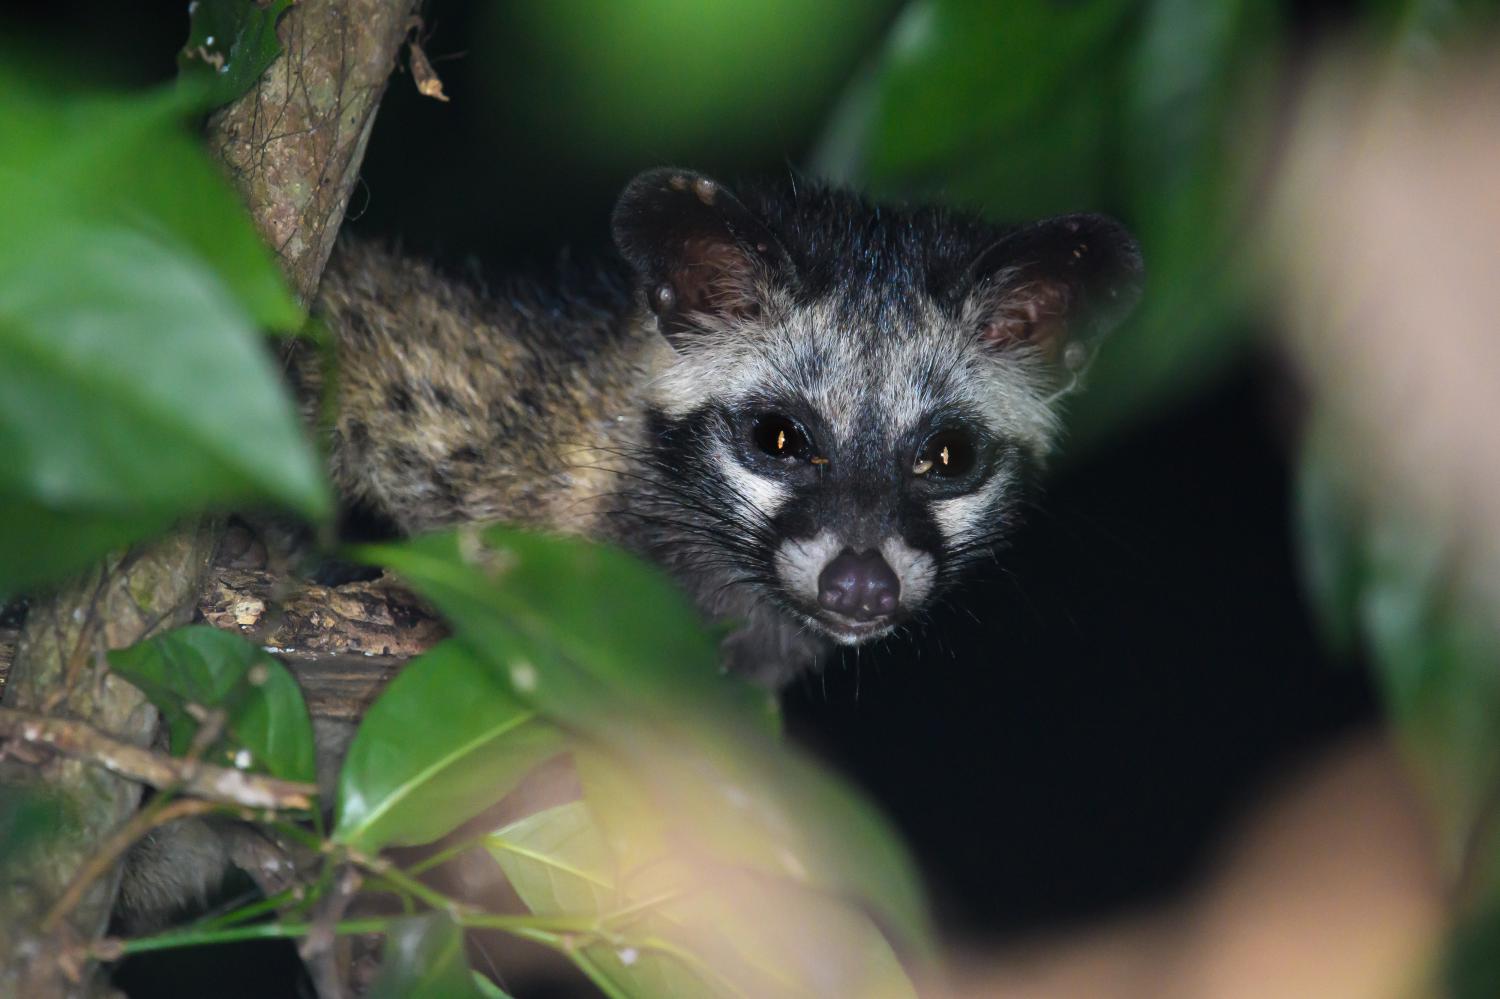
704,258
1051,282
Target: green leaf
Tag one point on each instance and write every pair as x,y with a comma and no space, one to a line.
134,385
50,544
443,742
1195,129
1383,575
129,160
208,668
581,630
677,929
424,956
557,860
133,390
1473,963
230,44
488,989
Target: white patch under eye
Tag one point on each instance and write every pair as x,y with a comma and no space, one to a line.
916,570
962,517
800,563
759,493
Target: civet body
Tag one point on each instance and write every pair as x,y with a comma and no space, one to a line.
811,410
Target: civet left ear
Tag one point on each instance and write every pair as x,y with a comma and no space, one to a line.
1052,282
703,256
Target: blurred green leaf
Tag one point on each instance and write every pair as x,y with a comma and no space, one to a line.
688,929
129,160
133,390
1149,110
443,742
960,80
204,667
1473,960
599,642
1380,572
230,44
1195,136
424,956
557,860
635,82
581,630
134,386
488,989
1422,31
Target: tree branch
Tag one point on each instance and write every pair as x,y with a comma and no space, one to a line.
191,777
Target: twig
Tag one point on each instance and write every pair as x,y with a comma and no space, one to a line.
200,780
316,950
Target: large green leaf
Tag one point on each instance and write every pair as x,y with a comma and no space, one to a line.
671,928
230,44
424,956
444,741
203,667
582,630
134,386
133,389
129,160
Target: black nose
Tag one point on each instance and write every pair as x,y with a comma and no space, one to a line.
859,586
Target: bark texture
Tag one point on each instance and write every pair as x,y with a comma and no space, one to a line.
293,146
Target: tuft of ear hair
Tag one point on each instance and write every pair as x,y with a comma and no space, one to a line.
1054,282
700,253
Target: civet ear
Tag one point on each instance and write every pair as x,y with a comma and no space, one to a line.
704,259
1053,282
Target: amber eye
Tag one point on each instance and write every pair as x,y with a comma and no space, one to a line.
779,437
946,455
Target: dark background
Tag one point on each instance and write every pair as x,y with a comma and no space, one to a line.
1068,737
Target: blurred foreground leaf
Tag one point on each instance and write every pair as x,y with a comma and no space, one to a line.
444,741
133,383
230,44
603,645
203,667
1381,573
678,928
583,631
424,956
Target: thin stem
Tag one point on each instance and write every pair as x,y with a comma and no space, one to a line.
540,928
249,911
445,855
400,879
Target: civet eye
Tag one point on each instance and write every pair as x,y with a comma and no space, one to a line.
779,437
946,455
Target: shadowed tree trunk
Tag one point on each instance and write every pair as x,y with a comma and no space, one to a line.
293,145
